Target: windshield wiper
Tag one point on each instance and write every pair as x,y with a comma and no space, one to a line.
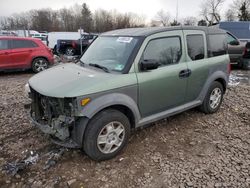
99,66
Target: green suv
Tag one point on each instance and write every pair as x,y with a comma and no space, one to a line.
126,79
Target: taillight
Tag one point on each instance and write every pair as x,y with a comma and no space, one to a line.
245,52
73,44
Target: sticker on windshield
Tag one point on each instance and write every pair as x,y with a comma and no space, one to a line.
125,39
119,67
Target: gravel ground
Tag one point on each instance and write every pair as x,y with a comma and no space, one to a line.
188,150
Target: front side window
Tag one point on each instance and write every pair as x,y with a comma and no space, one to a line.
23,44
165,51
195,46
110,52
4,44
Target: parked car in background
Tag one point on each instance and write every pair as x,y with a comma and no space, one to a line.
240,29
238,51
54,36
126,79
42,37
73,47
24,53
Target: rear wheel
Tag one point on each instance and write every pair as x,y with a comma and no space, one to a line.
106,135
39,64
213,99
69,51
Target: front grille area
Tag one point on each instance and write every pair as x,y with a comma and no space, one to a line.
44,109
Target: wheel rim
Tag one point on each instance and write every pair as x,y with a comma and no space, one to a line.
111,137
215,98
70,51
40,65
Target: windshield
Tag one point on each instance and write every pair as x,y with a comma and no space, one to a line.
110,52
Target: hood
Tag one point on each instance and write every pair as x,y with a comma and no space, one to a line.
71,80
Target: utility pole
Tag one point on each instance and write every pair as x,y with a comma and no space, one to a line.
81,39
177,11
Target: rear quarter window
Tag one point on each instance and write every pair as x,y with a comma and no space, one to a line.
23,44
217,45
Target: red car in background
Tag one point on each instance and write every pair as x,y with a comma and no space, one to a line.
24,53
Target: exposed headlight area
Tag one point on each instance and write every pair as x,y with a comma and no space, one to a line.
54,116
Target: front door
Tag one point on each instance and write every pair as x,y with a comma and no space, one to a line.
165,87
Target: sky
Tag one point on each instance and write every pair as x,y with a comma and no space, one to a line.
146,8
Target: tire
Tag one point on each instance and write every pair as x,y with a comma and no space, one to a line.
70,51
39,64
212,104
246,65
102,144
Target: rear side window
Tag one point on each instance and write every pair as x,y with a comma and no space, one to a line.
23,44
230,38
195,45
4,45
165,51
217,45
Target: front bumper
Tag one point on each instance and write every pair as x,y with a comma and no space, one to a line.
72,135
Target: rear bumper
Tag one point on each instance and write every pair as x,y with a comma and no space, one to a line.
51,60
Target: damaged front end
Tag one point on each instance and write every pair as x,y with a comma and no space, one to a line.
53,116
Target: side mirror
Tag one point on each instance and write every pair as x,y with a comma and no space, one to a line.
234,43
149,64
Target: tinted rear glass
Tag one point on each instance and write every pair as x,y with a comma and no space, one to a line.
23,44
195,44
217,45
4,44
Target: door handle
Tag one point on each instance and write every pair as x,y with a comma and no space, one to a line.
185,73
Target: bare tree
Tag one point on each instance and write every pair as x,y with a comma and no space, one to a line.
71,19
163,17
243,9
190,21
230,15
67,20
202,23
210,10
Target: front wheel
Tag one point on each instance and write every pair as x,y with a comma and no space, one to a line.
39,64
213,99
69,51
106,135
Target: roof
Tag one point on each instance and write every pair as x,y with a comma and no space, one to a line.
240,29
146,31
14,37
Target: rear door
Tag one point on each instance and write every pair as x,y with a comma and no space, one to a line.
5,61
197,62
162,88
21,52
